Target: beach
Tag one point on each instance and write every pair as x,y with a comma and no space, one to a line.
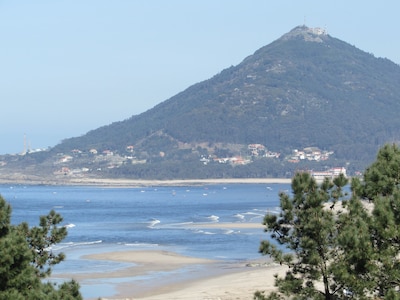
190,277
236,282
175,182
217,280
175,239
111,182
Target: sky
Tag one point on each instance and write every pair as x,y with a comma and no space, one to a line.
71,66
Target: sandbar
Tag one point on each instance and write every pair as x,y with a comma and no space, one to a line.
175,182
213,280
17,178
143,262
240,284
228,225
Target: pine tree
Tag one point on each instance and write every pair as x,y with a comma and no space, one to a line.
353,250
381,187
307,227
354,266
25,259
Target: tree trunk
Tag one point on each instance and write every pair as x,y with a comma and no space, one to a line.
326,286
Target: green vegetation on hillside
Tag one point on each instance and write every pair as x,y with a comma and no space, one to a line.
306,89
292,93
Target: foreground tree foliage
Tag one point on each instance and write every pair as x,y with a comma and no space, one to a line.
339,246
25,259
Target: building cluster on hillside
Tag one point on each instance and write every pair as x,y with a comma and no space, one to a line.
107,158
253,151
259,150
111,159
234,160
309,153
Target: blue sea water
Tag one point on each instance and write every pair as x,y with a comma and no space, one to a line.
152,218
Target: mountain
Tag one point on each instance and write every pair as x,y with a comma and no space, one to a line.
306,89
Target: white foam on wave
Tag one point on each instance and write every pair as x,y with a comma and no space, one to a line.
70,225
204,232
153,223
213,218
87,243
231,231
183,224
274,210
74,244
253,215
239,216
209,233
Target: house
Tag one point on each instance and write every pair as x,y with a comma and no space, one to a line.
319,176
256,149
108,153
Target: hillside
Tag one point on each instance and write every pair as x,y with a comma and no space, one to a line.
306,89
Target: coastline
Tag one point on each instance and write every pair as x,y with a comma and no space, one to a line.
176,182
189,277
110,182
239,284
183,279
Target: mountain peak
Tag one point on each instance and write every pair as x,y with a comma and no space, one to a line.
305,89
308,34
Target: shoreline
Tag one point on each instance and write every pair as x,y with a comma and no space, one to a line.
183,277
125,183
159,277
236,284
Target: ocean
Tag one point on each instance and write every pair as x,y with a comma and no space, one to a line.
152,218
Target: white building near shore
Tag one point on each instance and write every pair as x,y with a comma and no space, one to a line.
319,176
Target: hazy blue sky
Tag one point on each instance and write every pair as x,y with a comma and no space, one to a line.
70,66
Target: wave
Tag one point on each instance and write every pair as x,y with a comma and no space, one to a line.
213,218
225,232
73,244
207,232
153,223
251,215
271,210
204,232
174,225
239,216
70,225
84,243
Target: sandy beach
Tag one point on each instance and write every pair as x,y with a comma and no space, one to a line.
216,280
190,277
239,284
184,277
109,182
177,182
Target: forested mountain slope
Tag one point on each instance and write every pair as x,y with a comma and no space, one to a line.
304,89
